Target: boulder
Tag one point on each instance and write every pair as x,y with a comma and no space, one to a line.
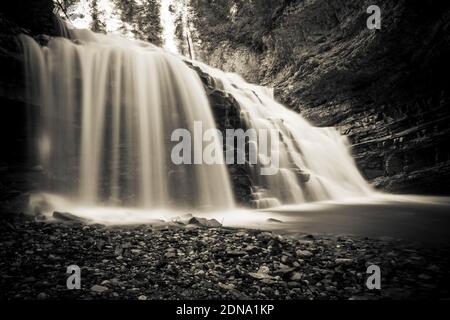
211,223
69,217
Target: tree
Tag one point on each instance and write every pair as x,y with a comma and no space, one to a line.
143,18
96,25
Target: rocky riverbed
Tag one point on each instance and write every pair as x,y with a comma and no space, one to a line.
190,261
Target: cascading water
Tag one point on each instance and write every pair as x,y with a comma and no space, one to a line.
108,107
314,163
62,29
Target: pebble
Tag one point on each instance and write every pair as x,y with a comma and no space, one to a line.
99,289
303,253
344,261
42,296
209,263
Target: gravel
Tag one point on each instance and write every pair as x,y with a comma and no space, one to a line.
176,262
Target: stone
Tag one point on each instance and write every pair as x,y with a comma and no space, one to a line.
251,249
304,253
434,268
100,244
227,286
293,284
425,277
296,276
40,217
212,223
170,255
183,219
199,272
271,220
118,251
265,236
42,296
99,289
345,262
236,253
238,295
262,273
68,217
284,270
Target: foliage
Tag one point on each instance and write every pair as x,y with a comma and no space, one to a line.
241,21
34,16
143,17
96,25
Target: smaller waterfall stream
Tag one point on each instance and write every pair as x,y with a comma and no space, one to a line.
314,163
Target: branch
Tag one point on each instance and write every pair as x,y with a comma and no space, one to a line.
63,10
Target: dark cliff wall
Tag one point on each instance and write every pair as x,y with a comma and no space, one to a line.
226,112
385,89
32,17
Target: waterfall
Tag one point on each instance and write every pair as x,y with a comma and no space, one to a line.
314,163
105,108
62,28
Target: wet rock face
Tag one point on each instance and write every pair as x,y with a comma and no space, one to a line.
386,90
226,112
31,17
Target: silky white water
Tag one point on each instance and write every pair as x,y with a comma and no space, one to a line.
315,164
105,108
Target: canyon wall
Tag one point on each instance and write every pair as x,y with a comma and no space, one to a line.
386,90
18,174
